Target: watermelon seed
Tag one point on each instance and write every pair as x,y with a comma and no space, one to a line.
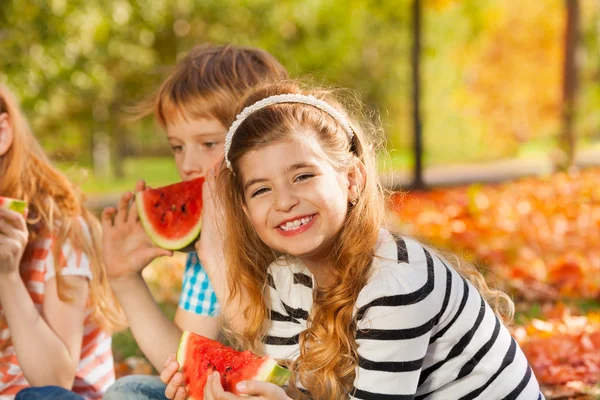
173,207
183,208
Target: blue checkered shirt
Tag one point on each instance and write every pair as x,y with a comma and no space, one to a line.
197,294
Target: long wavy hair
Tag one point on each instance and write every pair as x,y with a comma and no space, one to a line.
328,357
55,206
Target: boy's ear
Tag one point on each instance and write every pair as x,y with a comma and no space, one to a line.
356,181
6,134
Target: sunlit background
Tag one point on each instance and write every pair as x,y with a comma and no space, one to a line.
509,105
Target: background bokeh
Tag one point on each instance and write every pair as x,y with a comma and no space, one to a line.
503,192
492,70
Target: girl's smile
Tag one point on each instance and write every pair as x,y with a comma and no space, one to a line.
295,226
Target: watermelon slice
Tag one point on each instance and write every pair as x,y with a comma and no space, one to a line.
172,215
13,204
200,356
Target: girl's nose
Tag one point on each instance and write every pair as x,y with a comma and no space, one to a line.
285,200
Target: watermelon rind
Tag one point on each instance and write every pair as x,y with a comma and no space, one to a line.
13,204
181,349
270,371
158,239
277,375
180,356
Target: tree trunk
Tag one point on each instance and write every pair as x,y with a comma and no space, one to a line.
418,182
567,138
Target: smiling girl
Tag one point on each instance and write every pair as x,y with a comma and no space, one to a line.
320,284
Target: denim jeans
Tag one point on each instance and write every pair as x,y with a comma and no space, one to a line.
47,392
137,387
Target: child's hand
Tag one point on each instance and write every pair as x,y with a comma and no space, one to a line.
13,240
211,241
257,389
173,379
127,249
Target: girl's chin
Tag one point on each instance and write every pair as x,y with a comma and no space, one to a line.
311,253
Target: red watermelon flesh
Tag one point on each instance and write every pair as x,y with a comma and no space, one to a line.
200,356
172,215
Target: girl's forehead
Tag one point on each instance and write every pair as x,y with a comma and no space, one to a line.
290,148
280,155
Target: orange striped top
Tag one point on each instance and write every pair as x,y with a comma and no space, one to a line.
96,370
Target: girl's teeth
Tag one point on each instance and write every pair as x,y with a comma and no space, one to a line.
291,225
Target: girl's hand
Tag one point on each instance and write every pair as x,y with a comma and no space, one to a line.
127,249
250,389
13,241
173,379
211,243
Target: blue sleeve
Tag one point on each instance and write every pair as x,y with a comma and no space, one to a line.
197,294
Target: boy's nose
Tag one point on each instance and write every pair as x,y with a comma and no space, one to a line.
191,167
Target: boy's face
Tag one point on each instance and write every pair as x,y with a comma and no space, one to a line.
197,145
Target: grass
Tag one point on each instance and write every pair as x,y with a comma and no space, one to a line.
156,171
535,310
401,159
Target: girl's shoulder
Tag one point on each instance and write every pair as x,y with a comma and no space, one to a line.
403,254
401,265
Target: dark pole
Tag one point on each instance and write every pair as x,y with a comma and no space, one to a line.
418,182
567,137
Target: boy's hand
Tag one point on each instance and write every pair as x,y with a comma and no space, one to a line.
13,240
211,243
173,379
127,249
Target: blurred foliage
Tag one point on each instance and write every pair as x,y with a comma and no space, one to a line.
538,236
492,69
563,348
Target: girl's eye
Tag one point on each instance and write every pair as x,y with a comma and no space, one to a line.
176,149
210,145
259,191
304,177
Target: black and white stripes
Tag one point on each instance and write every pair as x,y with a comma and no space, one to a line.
423,331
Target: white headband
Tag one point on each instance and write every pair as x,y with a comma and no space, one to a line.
285,98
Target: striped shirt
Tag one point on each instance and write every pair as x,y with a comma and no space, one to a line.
95,372
423,331
197,294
